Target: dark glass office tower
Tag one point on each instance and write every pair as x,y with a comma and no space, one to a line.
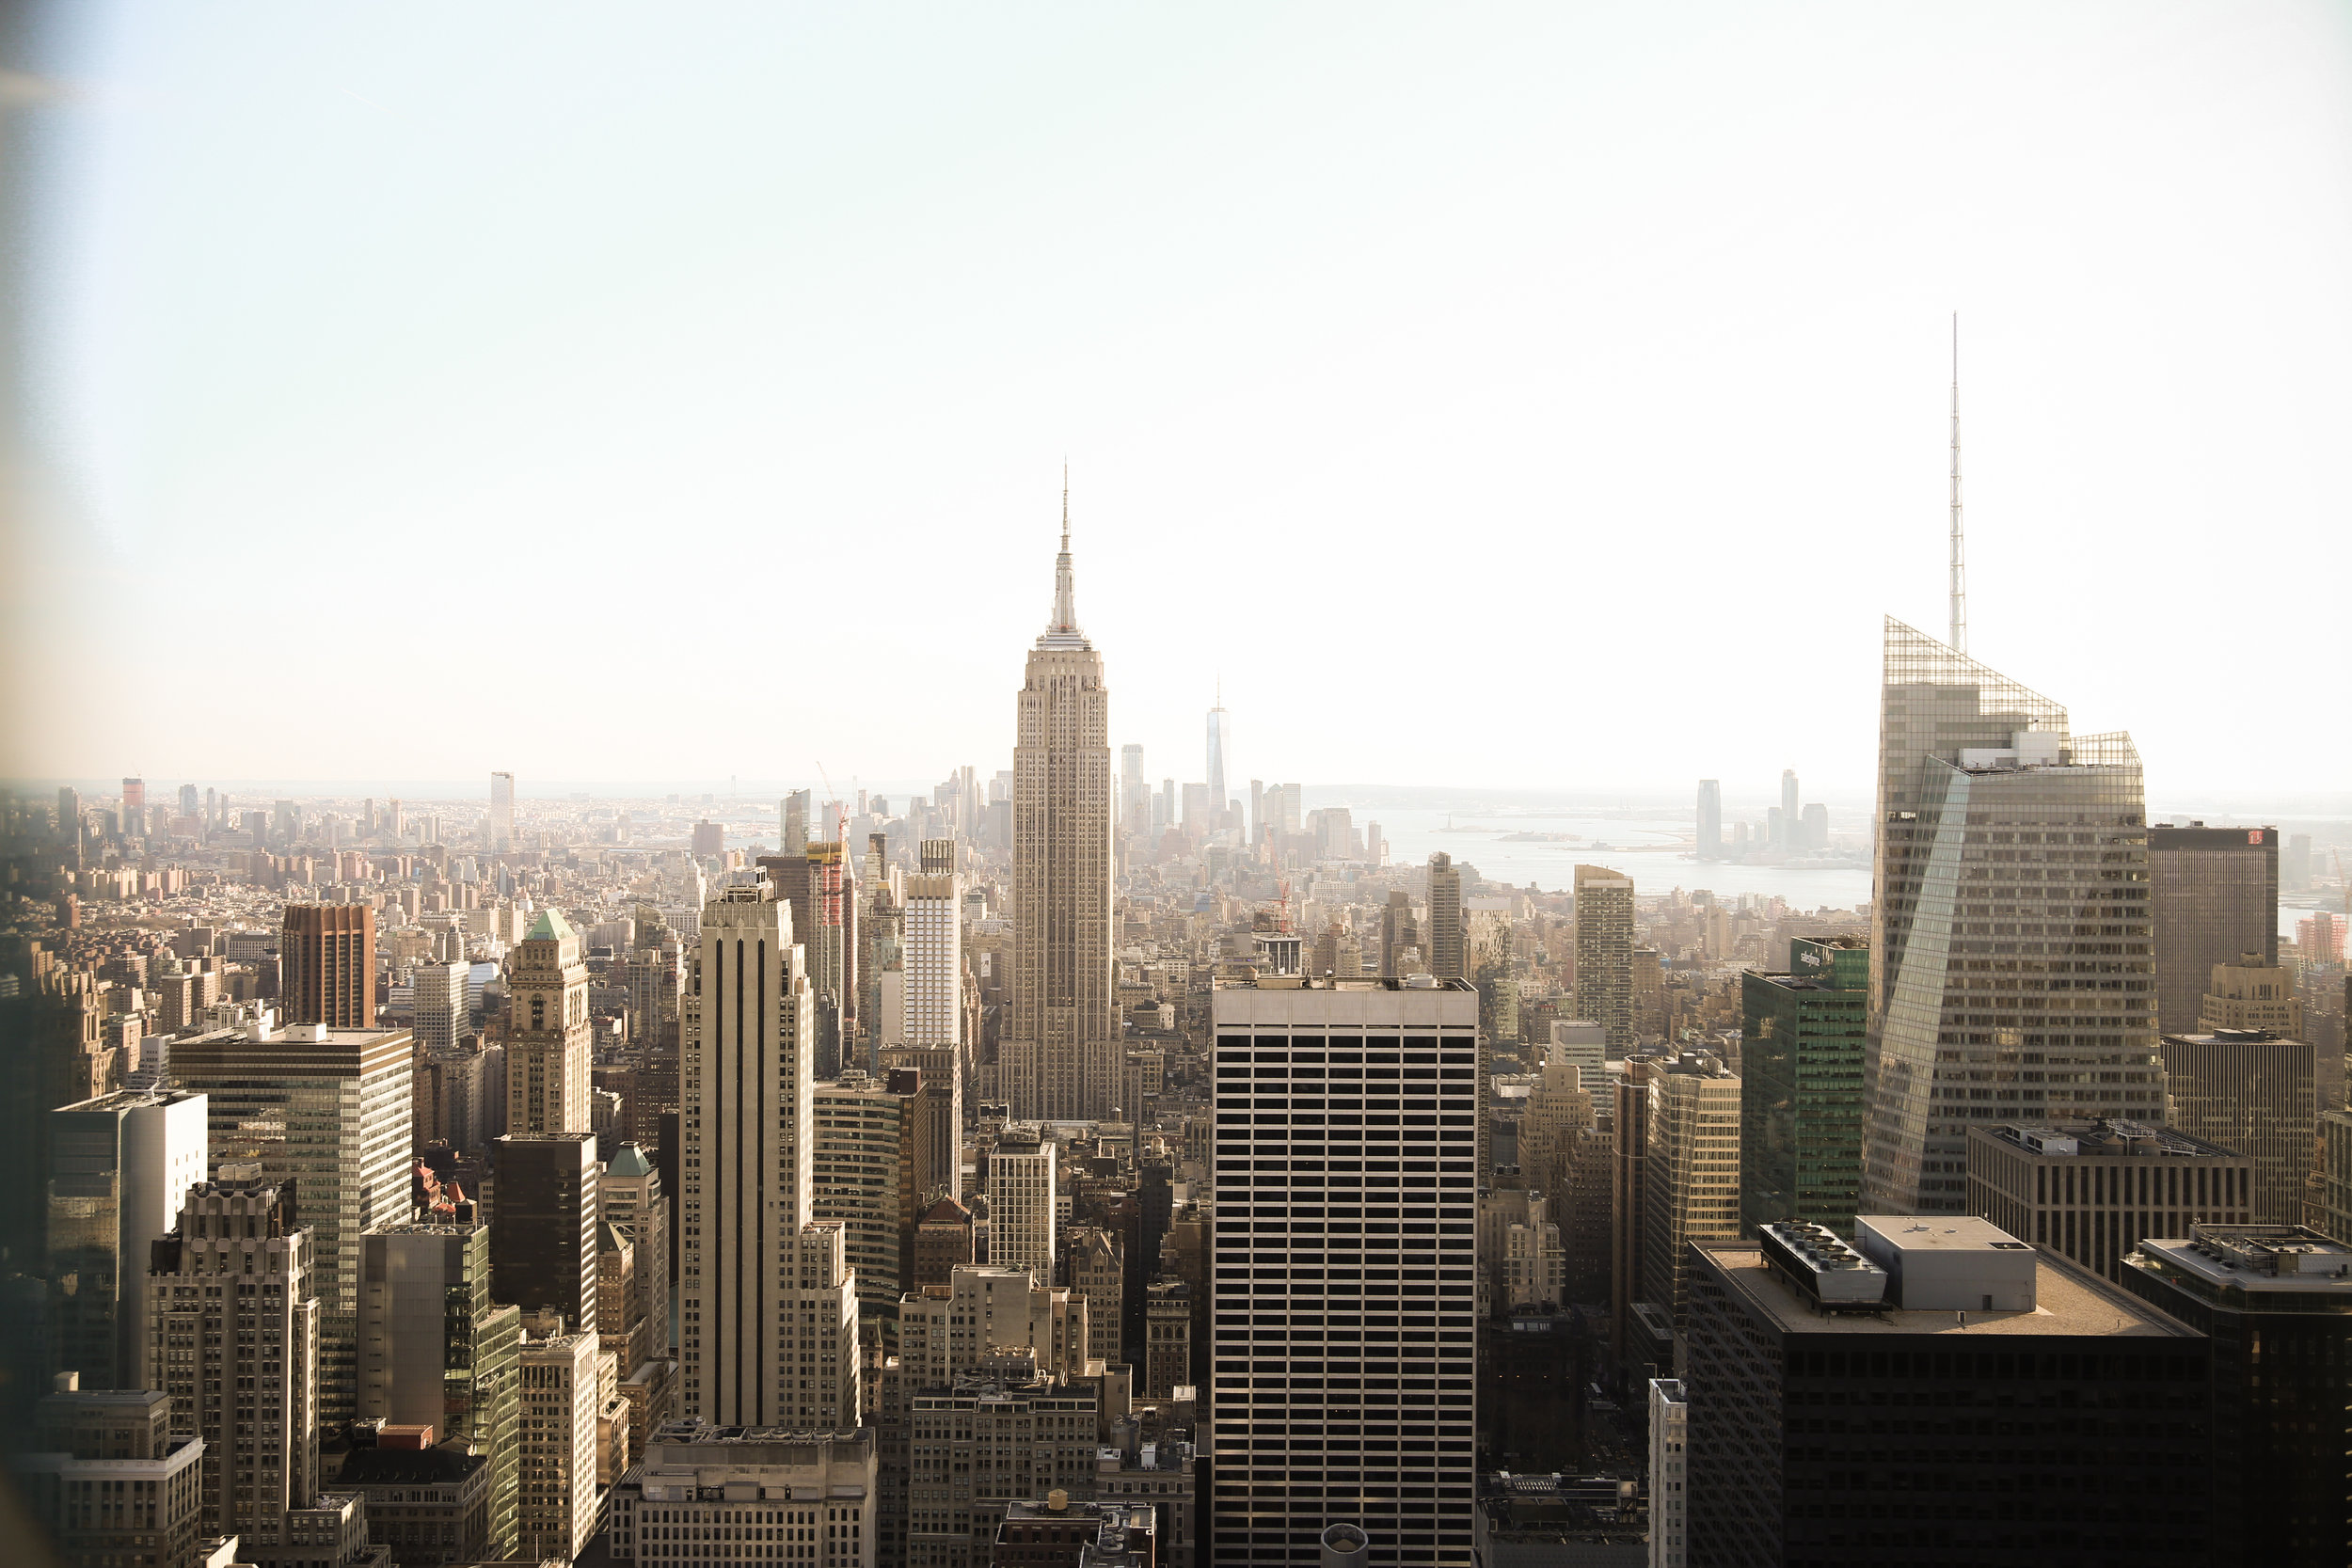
2276,1302
2215,894
1871,1408
1801,1086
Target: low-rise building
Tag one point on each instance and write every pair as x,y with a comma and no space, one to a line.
1060,1532
429,1504
111,1482
759,1495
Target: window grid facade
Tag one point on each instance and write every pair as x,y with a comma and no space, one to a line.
1343,1300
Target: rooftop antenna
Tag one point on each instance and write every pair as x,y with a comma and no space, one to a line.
1959,638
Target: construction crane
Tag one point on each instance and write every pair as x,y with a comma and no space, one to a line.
840,810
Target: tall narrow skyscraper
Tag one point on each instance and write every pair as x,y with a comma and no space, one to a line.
1449,957
1710,845
1604,953
1060,1055
1220,744
750,1022
546,1048
501,812
1791,811
2013,966
1134,794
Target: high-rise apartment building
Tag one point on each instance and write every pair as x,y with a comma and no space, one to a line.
234,1340
1021,1203
863,1176
1791,811
2092,1189
338,1106
2258,1095
2011,948
2276,1302
1343,1351
501,812
1710,838
436,1351
555,1459
1801,1063
1942,1330
2216,896
933,951
442,1005
543,1223
1449,951
546,1042
1604,953
745,1172
119,1168
326,965
1691,1187
1060,1051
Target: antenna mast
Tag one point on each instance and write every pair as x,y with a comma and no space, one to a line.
1959,638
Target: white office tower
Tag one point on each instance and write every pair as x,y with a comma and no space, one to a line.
1021,1203
2012,968
119,1168
555,1509
933,951
441,1005
1343,1350
744,1091
1060,1055
501,812
234,1340
1669,1503
818,1323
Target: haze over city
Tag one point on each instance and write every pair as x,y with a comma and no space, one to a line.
1052,787
1578,376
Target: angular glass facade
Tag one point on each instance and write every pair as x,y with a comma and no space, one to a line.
2013,954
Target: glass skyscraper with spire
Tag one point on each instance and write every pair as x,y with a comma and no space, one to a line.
2013,958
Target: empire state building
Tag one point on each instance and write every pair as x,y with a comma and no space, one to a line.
1060,1055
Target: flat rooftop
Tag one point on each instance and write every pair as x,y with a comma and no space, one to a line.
2067,1302
2111,1137
2261,1257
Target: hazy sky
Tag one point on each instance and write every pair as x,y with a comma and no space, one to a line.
1517,397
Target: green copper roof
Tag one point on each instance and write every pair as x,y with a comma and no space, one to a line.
550,927
628,1160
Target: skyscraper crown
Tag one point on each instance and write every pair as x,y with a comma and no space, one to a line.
1062,630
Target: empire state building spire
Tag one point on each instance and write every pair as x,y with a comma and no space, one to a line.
1062,630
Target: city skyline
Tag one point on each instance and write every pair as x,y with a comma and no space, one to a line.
957,1108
